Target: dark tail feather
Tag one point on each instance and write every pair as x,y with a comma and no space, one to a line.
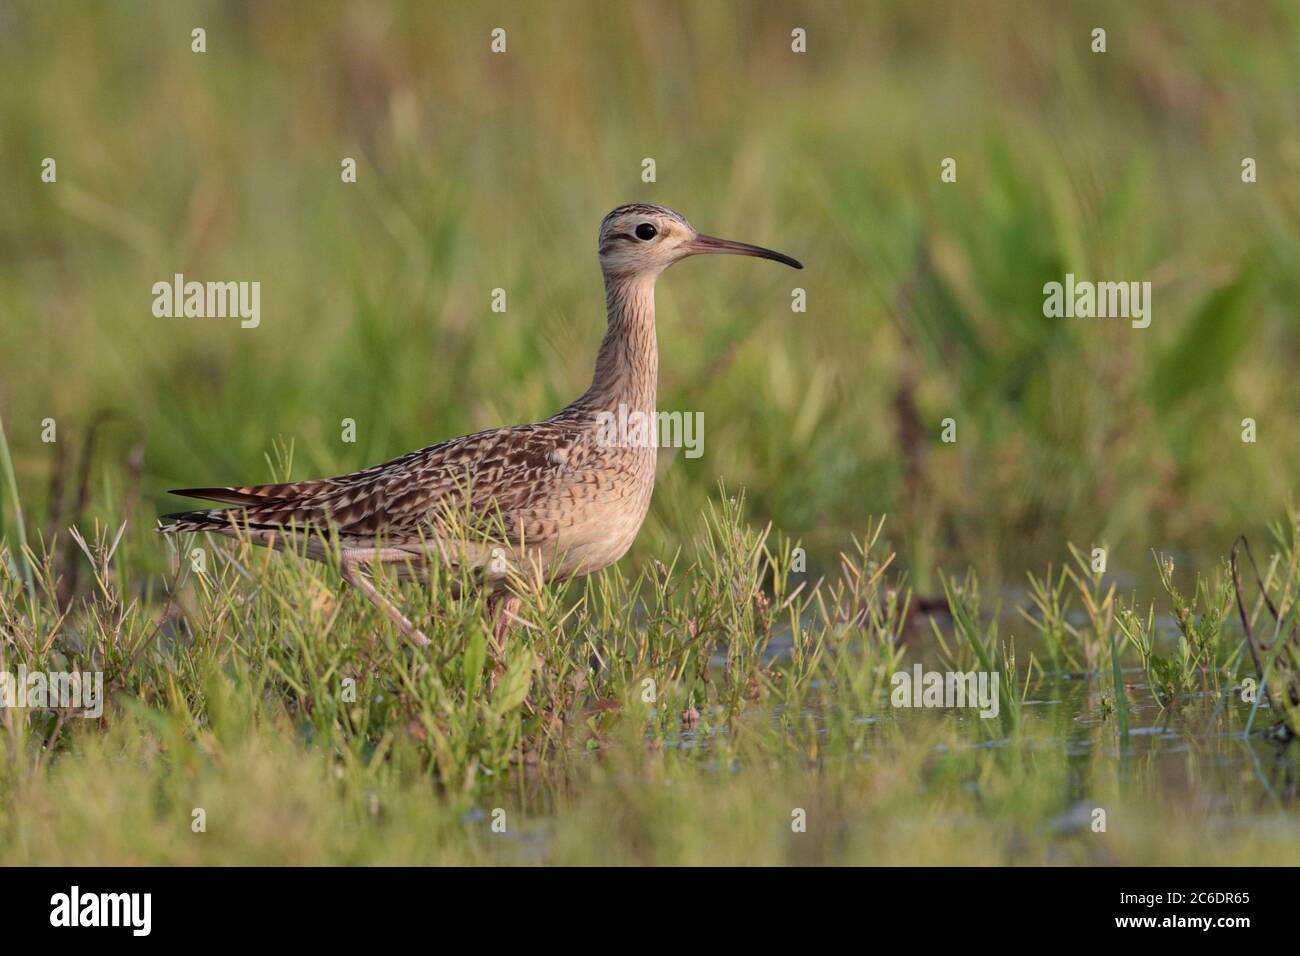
216,519
213,519
231,496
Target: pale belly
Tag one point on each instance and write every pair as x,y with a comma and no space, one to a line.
602,537
591,533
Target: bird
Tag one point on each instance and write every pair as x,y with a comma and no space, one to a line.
565,496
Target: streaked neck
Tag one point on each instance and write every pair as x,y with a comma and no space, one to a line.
627,366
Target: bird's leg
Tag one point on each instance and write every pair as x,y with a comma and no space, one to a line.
501,608
351,563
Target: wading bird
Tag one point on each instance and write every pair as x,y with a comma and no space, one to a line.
558,495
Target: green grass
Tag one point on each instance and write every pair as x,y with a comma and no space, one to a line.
306,730
924,303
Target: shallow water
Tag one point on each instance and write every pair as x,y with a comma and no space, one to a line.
1194,754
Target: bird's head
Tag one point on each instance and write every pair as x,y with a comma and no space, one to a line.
642,239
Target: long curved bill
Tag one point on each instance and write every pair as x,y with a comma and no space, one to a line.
702,245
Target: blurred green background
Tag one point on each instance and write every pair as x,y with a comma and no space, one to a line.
478,171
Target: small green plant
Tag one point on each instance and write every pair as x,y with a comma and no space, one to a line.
1202,657
1061,639
1098,602
976,642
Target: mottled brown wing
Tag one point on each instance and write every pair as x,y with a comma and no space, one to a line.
473,476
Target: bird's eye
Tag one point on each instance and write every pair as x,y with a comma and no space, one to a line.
646,231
